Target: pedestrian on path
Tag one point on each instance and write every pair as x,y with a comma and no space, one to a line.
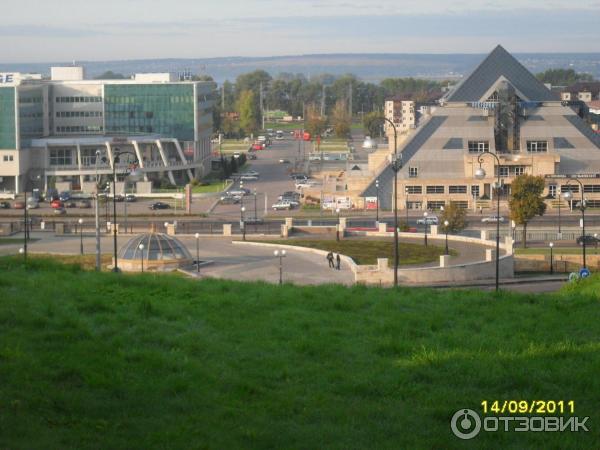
338,260
330,259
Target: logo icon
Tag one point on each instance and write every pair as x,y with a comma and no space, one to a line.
465,424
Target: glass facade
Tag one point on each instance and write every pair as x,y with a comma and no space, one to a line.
7,118
31,114
166,109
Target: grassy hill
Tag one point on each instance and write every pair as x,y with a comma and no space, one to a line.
93,360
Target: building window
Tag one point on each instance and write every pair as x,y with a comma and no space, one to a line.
457,189
592,203
475,190
519,170
537,146
436,204
552,190
479,146
8,158
435,189
460,204
414,189
595,188
413,172
569,187
60,157
503,171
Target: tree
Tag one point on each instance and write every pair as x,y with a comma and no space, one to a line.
249,112
372,123
110,75
315,123
456,218
526,201
341,120
563,77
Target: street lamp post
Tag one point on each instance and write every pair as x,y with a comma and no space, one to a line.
426,223
255,208
559,220
569,197
97,215
22,252
134,174
25,219
242,222
197,236
446,224
396,165
80,222
141,247
551,245
480,174
377,201
337,227
281,255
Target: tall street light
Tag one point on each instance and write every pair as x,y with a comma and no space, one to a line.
141,247
377,202
396,165
426,222
480,174
281,255
80,222
559,221
568,195
97,214
337,227
551,245
255,208
197,236
134,175
446,225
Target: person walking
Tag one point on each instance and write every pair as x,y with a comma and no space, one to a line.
338,260
330,260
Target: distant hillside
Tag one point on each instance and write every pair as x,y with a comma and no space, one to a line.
369,67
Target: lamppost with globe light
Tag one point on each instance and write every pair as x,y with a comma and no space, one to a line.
242,223
80,222
568,196
24,253
377,201
551,245
426,222
480,174
141,247
446,225
396,165
134,175
281,255
197,236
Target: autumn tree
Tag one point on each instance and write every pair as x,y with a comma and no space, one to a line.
526,201
315,123
372,123
249,112
341,120
456,217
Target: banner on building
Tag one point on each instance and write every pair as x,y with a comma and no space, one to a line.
370,202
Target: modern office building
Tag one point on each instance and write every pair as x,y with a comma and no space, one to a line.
502,108
52,130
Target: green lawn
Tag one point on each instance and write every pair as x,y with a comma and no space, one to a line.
10,241
367,251
146,361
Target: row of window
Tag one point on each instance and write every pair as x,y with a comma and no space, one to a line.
587,188
78,113
506,171
452,189
7,158
30,100
80,129
78,99
484,146
31,115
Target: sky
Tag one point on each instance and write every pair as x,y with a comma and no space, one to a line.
65,30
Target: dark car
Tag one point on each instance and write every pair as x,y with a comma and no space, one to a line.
4,205
130,198
119,198
230,199
588,239
159,205
51,195
64,196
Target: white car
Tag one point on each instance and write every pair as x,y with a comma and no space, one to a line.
304,184
283,204
246,177
429,220
492,219
251,173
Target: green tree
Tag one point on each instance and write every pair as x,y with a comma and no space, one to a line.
110,75
526,201
315,123
249,112
372,123
563,77
456,217
341,120
251,82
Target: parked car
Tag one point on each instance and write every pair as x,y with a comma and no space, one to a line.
230,199
129,198
51,195
4,205
258,146
252,173
493,219
60,211
159,205
589,240
56,204
290,194
64,196
429,220
19,204
119,198
32,203
284,161
299,177
85,204
249,178
238,192
304,184
281,205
